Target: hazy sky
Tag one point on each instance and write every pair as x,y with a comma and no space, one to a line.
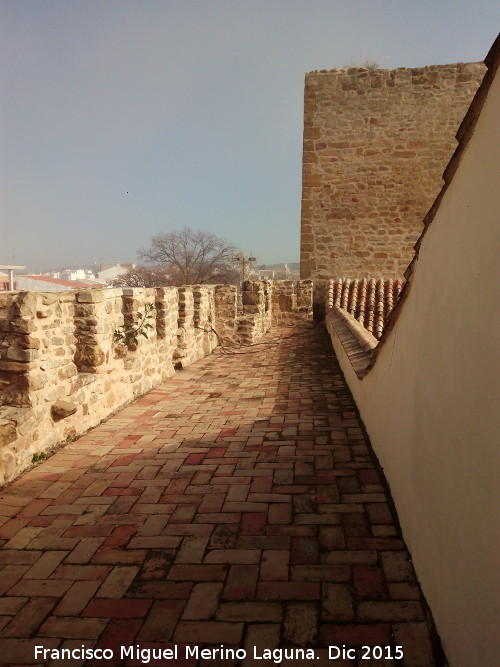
122,119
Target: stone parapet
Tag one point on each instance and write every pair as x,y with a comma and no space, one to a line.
291,303
63,370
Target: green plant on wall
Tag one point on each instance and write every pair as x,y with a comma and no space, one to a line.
128,334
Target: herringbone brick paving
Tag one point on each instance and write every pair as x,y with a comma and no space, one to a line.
239,504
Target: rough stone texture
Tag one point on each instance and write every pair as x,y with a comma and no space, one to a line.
62,409
60,348
375,147
226,312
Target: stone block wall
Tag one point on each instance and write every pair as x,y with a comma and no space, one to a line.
291,303
376,143
62,370
256,317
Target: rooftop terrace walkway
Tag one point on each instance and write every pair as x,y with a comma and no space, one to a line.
238,504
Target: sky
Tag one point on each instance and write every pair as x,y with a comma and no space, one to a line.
123,119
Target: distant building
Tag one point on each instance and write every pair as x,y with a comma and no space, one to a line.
265,274
48,284
108,272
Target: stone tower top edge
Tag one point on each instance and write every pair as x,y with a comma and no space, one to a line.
379,70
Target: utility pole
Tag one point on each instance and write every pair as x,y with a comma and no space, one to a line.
243,261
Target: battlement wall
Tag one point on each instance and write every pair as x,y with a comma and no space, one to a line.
63,369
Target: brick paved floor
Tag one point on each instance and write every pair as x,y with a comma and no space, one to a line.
237,504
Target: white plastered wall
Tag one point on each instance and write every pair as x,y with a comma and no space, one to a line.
430,404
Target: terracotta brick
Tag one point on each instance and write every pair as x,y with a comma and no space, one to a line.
13,557
160,590
76,598
301,623
161,542
182,514
304,550
12,528
45,565
218,517
417,648
241,582
253,523
317,519
88,530
349,557
11,605
402,610
118,632
261,636
320,573
79,628
28,619
84,550
192,550
75,644
337,603
378,543
212,502
210,632
120,556
274,565
117,608
290,590
161,621
245,507
40,588
238,493
368,581
119,537
35,507
188,529
208,572
229,556
81,572
359,634
117,582
280,513
263,542
203,602
249,612
397,566
21,651
156,563
404,591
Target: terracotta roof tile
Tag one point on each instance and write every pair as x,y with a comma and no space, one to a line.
67,283
368,300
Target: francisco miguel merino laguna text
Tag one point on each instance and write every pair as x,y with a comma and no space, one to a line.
145,655
277,655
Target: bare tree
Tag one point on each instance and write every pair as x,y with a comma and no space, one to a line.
191,258
143,276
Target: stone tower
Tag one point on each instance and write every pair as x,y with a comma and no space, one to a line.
376,143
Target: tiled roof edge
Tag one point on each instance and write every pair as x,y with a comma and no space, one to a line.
61,281
358,343
464,134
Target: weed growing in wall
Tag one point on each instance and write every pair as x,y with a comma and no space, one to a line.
128,334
